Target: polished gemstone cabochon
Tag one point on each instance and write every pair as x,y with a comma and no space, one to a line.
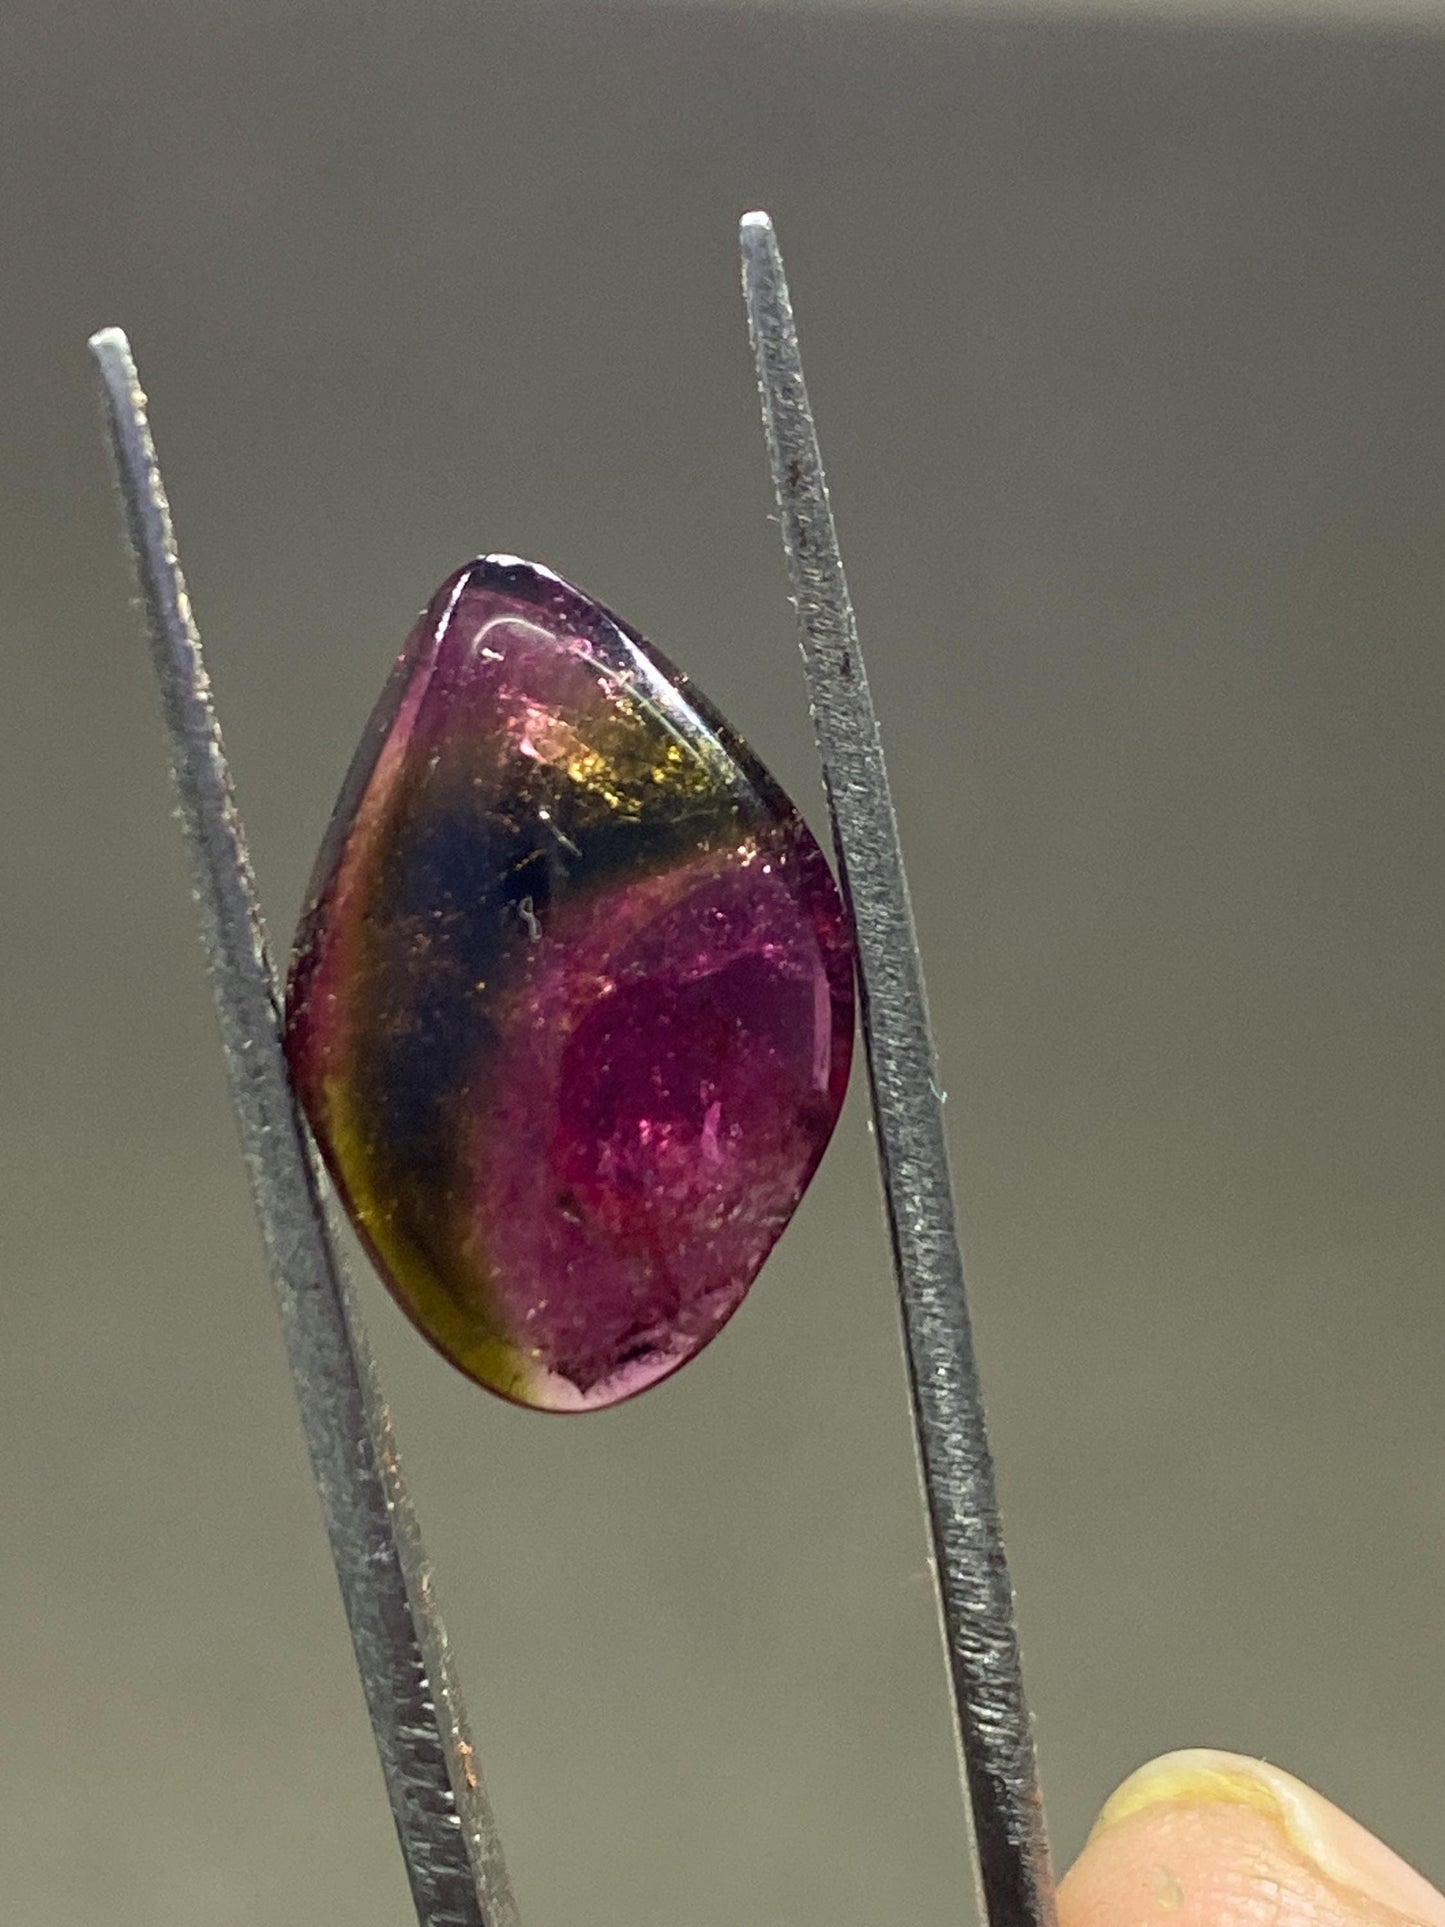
571,1005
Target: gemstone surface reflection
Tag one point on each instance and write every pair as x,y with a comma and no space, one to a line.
571,1005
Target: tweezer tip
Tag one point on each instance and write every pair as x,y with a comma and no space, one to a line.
115,365
109,344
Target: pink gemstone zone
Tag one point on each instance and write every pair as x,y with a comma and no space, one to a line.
689,1105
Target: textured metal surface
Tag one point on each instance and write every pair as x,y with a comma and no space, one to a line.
448,1836
975,1595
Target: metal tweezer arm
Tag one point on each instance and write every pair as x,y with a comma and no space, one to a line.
975,1595
448,1836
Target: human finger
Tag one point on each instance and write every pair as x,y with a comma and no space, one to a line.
1206,1839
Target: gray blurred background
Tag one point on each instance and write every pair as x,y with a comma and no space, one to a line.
1125,340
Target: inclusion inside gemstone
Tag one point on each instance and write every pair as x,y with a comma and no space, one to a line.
571,1005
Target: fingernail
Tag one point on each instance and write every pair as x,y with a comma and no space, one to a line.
1334,1844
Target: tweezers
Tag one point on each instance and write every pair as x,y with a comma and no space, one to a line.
444,1820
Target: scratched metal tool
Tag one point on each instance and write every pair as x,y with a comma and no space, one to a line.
975,1596
444,1822
443,1819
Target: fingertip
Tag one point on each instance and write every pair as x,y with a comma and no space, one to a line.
1207,1839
